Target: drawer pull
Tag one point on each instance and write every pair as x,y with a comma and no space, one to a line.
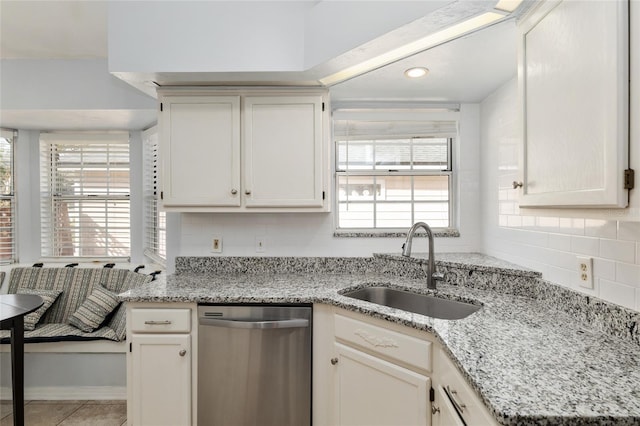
453,394
334,361
434,409
164,322
183,352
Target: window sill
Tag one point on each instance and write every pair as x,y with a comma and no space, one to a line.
438,233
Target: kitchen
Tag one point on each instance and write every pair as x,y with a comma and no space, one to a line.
488,218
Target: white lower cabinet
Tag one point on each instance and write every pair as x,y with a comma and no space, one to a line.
370,391
161,379
455,402
444,413
381,375
161,364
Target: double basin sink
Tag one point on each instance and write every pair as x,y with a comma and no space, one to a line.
423,304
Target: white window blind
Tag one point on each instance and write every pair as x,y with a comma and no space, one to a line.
85,208
155,220
7,198
393,173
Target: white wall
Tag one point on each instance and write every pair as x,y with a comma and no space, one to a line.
311,234
547,243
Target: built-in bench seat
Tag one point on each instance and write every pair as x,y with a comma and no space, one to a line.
76,285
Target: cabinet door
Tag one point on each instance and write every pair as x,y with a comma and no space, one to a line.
370,391
575,100
444,413
200,150
283,158
161,375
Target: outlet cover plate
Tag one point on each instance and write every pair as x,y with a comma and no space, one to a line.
216,244
585,271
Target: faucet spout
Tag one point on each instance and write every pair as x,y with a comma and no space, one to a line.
432,275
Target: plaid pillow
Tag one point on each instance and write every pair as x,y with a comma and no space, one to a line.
48,296
92,312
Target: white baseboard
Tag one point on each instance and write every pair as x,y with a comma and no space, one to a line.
82,393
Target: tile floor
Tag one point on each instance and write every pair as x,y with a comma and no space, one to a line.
67,413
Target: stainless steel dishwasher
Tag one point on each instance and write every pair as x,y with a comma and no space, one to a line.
254,365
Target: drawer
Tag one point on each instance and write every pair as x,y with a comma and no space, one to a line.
160,320
473,411
390,344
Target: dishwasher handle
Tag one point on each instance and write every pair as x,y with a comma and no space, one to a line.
289,323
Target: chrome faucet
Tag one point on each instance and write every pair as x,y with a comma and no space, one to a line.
432,275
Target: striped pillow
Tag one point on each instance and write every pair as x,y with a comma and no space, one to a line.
48,296
92,312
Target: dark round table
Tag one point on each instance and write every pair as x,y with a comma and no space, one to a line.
13,308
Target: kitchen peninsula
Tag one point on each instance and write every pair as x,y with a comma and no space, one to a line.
527,361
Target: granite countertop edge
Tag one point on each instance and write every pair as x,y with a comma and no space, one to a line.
478,345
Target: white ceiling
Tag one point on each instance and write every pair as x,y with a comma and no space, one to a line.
53,29
463,70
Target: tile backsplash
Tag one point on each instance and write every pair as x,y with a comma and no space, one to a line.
543,242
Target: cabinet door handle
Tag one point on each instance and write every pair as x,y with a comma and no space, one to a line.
247,192
517,185
164,322
183,352
454,394
434,409
334,361
234,191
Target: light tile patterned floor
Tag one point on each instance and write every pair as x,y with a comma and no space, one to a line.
68,413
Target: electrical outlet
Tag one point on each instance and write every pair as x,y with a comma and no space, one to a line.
585,272
216,245
261,244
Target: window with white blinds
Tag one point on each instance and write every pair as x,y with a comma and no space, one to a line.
85,208
154,219
393,173
7,198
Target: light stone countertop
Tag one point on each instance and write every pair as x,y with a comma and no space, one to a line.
531,364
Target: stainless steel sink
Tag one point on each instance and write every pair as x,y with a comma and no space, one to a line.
423,304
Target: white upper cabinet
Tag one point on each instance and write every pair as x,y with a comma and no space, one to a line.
200,150
283,151
573,80
244,150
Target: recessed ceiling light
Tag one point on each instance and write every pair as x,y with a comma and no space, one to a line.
416,72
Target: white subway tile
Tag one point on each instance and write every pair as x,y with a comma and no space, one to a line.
585,245
549,224
559,242
604,269
627,273
629,231
529,222
619,294
601,228
560,259
622,251
562,276
514,221
571,226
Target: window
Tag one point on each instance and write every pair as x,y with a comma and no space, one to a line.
155,220
391,174
7,197
85,195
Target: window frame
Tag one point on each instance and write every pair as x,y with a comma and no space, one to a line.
11,134
450,172
152,212
48,196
